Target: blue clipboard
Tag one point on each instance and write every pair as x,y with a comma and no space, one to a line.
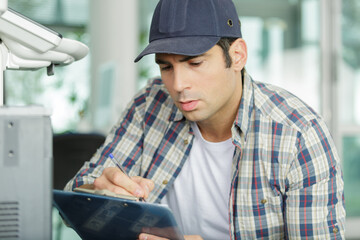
95,216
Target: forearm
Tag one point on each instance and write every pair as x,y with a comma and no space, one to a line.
123,142
85,176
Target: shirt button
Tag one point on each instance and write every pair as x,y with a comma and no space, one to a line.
263,201
186,142
165,182
335,230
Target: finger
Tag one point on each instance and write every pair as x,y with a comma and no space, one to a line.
164,232
146,184
145,236
102,182
150,183
116,181
117,177
193,237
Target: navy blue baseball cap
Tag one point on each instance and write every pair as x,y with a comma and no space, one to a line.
191,27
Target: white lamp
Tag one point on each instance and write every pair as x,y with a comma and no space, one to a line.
26,44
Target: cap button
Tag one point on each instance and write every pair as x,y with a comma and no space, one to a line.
165,182
264,201
186,142
335,230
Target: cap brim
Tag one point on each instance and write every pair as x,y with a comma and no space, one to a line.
188,46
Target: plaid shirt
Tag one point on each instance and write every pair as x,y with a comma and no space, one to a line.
286,174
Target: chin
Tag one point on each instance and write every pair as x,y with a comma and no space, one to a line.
192,116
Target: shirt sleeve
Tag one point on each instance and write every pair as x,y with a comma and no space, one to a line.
124,141
314,199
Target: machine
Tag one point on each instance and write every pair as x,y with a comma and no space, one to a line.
25,132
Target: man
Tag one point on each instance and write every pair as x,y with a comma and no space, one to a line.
233,158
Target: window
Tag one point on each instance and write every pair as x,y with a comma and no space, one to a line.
349,109
283,45
67,92
146,67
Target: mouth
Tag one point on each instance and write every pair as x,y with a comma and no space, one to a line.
188,105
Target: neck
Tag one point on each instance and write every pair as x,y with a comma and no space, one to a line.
215,132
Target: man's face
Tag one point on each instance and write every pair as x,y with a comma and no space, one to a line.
202,87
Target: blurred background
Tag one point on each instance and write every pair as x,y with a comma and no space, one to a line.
309,47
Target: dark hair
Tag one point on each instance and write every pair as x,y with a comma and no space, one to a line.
225,43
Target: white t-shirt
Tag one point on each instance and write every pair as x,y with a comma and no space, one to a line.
199,197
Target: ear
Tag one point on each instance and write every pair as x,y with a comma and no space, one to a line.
238,53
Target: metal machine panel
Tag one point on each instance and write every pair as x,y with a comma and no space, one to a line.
25,173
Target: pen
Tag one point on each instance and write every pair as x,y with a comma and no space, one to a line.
122,170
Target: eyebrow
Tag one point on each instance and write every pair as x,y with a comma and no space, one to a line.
185,59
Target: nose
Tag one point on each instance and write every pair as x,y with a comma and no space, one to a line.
180,79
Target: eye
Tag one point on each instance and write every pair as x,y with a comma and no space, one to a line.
165,67
197,63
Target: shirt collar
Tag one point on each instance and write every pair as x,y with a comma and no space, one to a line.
242,121
175,114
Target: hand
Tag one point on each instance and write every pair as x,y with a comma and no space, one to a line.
114,180
144,236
